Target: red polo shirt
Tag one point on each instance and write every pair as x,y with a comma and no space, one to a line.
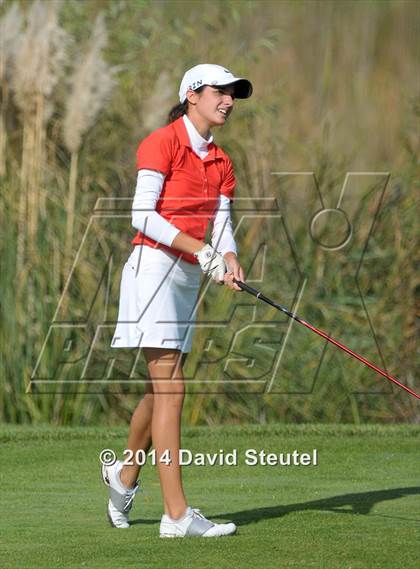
191,189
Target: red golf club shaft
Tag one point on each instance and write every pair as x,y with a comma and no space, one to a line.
259,295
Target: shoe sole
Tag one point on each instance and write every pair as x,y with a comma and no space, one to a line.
105,480
110,520
165,536
171,535
112,523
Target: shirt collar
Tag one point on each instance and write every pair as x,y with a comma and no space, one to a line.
181,131
195,137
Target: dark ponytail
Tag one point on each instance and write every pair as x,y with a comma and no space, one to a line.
181,108
177,111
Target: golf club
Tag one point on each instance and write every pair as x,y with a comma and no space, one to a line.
259,295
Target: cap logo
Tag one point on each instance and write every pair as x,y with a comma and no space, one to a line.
195,85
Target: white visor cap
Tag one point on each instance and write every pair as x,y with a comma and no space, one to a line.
213,75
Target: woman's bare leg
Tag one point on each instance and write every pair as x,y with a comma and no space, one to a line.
165,369
140,435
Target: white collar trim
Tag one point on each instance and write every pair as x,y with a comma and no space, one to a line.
197,141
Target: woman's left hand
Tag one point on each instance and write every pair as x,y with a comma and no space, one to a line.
234,270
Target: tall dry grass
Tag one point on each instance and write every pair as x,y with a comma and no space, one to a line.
10,29
91,85
39,64
161,98
335,91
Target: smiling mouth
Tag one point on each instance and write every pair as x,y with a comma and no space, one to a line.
223,112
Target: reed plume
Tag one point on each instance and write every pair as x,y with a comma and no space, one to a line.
158,102
39,64
91,84
10,29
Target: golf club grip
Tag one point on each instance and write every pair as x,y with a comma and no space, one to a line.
246,287
260,295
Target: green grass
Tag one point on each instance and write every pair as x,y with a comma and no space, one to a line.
359,508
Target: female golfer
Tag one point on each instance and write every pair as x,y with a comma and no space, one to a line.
184,181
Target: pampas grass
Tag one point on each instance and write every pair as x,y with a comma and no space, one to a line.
161,99
39,65
91,85
10,29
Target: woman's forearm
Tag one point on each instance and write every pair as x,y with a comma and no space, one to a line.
187,244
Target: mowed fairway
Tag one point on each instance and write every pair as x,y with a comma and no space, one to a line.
358,508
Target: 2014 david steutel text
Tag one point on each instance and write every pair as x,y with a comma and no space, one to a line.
249,457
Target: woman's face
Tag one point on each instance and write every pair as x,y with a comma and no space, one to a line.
213,104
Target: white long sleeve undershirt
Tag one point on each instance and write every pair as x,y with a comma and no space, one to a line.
222,233
146,219
143,216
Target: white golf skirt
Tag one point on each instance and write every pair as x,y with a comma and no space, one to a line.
158,295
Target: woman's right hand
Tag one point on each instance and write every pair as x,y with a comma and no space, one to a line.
212,263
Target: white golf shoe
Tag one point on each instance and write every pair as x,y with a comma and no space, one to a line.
193,524
120,498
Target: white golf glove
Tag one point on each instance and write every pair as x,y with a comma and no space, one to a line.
211,263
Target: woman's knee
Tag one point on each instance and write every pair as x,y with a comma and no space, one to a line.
171,389
165,372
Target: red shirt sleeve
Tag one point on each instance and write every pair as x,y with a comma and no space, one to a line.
155,152
229,182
